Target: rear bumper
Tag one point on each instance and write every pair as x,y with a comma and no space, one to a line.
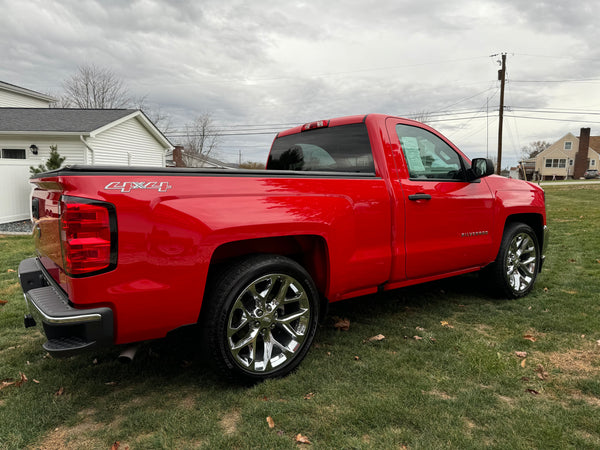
69,330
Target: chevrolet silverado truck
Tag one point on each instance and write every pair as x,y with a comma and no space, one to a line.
346,207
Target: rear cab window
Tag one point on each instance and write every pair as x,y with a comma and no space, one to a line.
344,148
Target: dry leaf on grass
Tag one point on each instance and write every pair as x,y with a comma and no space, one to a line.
541,373
270,422
532,391
521,354
3,302
446,324
342,324
356,358
379,337
524,362
60,392
417,338
302,439
22,380
11,271
309,396
529,338
6,383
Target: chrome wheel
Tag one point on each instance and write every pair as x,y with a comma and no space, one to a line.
268,323
521,262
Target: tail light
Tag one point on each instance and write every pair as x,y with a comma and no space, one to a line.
88,234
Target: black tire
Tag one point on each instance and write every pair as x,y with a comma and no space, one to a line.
260,317
515,270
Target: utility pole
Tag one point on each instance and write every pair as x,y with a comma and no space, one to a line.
502,78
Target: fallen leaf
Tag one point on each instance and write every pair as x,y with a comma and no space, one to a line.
302,439
541,373
598,342
115,445
572,260
379,337
521,354
35,381
523,362
417,338
420,329
328,353
309,396
532,391
546,289
22,380
11,271
60,392
270,422
356,358
3,302
6,383
529,338
342,324
598,261
524,378
446,324
111,383
433,339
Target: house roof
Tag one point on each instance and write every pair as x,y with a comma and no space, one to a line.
595,143
28,92
58,120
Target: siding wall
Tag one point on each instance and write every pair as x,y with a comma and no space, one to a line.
14,173
128,143
13,100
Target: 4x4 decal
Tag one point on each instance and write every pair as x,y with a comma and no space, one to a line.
128,186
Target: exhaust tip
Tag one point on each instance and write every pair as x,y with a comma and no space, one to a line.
128,354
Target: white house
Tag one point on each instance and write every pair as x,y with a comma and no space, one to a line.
558,160
18,97
123,137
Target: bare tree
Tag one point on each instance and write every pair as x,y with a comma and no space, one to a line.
100,88
200,141
423,116
533,149
95,87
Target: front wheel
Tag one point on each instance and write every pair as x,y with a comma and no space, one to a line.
261,317
516,267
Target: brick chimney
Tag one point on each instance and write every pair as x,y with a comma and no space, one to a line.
581,158
177,156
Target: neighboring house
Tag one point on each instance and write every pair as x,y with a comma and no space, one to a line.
559,160
84,136
18,97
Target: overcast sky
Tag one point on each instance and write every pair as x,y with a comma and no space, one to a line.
259,66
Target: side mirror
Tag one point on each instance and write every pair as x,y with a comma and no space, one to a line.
481,167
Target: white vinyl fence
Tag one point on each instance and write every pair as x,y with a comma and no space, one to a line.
15,190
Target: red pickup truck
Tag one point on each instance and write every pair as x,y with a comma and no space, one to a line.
346,207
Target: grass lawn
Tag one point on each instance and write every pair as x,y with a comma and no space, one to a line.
447,374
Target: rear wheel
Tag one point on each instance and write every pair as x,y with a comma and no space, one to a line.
516,267
261,317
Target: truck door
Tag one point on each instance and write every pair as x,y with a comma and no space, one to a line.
448,220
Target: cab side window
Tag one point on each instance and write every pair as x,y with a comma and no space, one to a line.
427,156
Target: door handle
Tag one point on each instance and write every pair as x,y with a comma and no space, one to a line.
415,197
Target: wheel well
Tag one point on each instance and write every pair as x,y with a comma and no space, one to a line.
533,220
307,250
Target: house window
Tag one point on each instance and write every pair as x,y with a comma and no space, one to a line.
568,145
13,153
570,162
560,163
593,162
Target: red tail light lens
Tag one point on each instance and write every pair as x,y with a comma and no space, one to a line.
88,236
